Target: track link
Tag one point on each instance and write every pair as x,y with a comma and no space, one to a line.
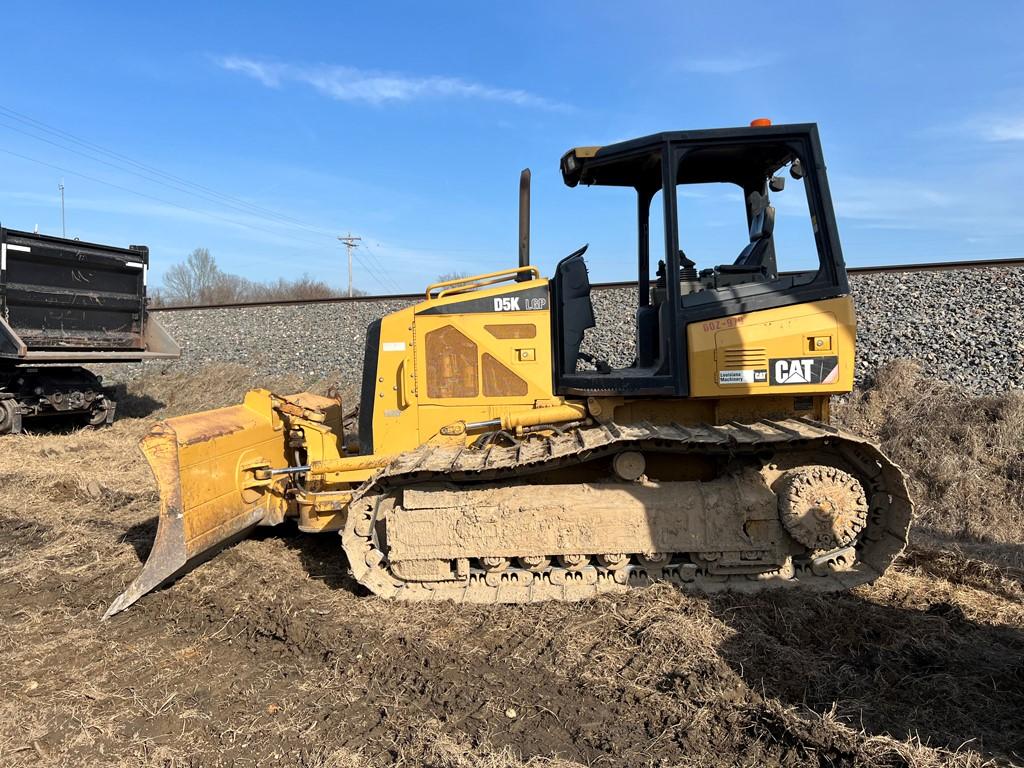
763,442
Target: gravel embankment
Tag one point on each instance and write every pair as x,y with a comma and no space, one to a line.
965,326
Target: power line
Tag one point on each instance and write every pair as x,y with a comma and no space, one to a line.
92,146
173,182
208,198
369,270
384,271
372,274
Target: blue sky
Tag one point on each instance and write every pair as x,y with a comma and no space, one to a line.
262,131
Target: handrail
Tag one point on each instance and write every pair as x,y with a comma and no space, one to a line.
463,284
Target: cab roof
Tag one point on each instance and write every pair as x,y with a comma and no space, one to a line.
720,154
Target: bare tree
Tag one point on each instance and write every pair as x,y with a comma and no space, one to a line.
448,276
451,276
304,287
192,281
227,289
198,280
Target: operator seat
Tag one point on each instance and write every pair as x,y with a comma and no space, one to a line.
756,262
759,255
762,225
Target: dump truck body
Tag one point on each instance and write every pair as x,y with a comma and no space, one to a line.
63,304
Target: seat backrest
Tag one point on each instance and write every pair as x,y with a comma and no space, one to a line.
762,225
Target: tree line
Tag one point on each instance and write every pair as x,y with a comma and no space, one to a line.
198,281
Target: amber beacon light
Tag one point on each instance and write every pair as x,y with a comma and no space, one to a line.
760,122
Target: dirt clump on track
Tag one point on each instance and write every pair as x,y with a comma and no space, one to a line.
269,654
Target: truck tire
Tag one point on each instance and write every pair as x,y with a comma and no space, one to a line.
102,414
9,421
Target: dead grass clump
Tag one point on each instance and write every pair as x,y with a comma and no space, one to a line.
429,742
173,393
964,455
954,567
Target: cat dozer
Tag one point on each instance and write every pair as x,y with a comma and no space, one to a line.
496,460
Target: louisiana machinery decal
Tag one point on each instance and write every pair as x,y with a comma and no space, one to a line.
804,370
528,299
749,376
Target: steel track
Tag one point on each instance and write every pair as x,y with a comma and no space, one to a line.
879,544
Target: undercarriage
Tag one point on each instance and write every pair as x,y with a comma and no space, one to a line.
610,508
58,391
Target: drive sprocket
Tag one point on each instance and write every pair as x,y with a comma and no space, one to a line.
822,507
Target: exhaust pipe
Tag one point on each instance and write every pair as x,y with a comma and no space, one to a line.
524,223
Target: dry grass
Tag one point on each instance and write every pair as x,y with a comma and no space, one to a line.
163,394
269,655
965,456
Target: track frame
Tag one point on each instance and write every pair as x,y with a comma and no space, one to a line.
881,541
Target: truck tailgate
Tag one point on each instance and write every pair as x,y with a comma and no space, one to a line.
59,294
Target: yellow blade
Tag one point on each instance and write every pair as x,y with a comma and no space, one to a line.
208,494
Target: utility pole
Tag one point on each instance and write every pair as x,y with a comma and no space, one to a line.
63,229
350,244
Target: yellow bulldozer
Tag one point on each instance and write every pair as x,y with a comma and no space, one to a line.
497,461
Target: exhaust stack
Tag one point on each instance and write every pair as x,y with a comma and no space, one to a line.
524,222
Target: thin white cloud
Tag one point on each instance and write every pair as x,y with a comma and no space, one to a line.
268,74
1001,128
995,125
246,227
351,84
888,200
905,204
725,65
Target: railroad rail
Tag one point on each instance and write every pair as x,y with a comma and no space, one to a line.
933,266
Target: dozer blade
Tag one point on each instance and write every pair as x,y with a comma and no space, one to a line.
208,492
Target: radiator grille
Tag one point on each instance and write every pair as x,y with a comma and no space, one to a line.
744,358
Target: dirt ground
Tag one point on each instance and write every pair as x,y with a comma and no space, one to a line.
270,655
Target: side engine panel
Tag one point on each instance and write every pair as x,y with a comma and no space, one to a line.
804,349
482,354
471,356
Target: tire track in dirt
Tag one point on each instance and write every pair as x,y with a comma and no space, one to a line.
371,680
